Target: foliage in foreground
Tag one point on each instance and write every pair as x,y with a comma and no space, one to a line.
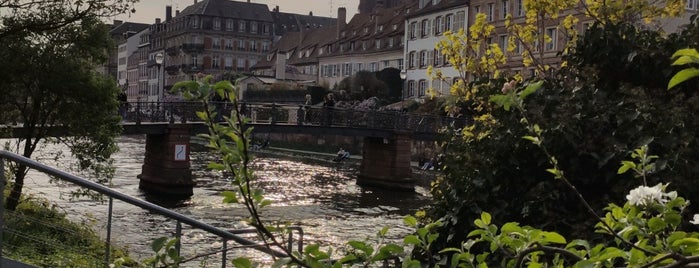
39,234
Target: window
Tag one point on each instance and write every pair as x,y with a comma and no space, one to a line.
502,42
195,60
386,64
195,22
460,20
347,69
424,28
518,47
421,88
400,64
336,70
380,28
411,60
215,62
374,67
229,25
241,44
423,59
265,28
395,26
437,58
551,32
413,30
217,24
438,26
253,27
411,88
241,26
363,45
378,43
390,42
520,8
448,22
229,44
253,45
241,63
265,46
491,11
505,6
689,4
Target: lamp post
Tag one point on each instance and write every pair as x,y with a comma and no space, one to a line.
403,76
159,61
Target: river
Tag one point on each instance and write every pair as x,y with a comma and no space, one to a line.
320,197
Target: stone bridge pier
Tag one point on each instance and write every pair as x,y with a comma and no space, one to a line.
166,169
386,163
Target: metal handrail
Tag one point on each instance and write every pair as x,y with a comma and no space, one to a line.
112,194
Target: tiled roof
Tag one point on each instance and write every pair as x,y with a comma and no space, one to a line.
229,9
293,22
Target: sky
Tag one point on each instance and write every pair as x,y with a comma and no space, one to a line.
148,10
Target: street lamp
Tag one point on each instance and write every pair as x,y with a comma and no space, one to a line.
159,61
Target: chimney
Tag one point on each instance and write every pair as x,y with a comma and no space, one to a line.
168,13
157,20
177,13
310,13
276,9
280,72
195,1
341,20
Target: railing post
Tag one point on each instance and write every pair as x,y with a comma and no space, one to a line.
2,202
178,235
185,112
138,113
108,242
274,114
172,114
224,251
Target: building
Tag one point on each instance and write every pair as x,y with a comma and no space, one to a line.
369,42
121,33
424,28
219,38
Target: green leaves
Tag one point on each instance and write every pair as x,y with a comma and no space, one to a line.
684,57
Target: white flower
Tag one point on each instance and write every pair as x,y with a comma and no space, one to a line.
644,195
695,220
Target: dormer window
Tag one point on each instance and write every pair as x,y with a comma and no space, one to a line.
342,34
395,26
380,28
320,51
354,33
366,29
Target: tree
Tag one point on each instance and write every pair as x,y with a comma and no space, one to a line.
50,79
609,100
19,17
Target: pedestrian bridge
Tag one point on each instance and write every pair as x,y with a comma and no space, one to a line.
386,151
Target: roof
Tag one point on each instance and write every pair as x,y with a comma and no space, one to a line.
441,6
229,9
285,22
128,27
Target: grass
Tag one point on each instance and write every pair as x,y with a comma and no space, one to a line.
38,233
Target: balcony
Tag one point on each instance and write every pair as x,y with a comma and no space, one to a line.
190,48
172,69
172,51
192,68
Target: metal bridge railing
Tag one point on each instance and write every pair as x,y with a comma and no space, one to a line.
223,235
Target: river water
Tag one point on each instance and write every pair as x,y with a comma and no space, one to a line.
320,197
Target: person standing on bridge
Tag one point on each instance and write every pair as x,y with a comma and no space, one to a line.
328,108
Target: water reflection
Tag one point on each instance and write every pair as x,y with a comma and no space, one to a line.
322,198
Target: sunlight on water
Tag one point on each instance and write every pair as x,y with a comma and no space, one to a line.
322,198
